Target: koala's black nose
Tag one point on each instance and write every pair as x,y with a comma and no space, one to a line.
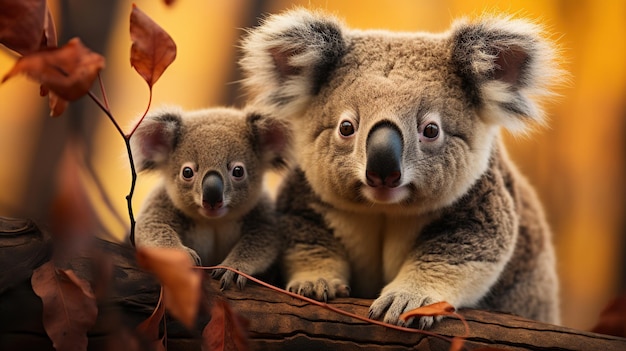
384,156
212,190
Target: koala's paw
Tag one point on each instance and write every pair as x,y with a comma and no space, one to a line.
228,277
395,301
321,289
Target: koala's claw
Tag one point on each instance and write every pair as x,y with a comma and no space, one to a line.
228,277
389,306
320,290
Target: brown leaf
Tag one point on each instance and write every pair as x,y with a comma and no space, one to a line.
226,331
68,71
22,24
153,50
49,36
57,105
180,281
612,319
69,306
436,309
150,327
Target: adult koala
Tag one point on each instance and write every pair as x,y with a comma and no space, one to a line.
403,183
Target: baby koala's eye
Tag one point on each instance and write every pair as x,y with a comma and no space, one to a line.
431,131
238,172
346,128
187,173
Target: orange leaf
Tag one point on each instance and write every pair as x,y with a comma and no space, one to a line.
49,36
153,50
457,344
181,282
612,319
150,327
436,309
69,306
226,330
22,24
68,71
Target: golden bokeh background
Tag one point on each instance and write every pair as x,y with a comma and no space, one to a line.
576,163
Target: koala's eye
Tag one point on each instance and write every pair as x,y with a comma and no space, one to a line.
238,172
187,173
346,128
431,131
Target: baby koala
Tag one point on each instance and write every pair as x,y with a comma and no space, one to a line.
210,200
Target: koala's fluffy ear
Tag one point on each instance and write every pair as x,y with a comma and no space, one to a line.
272,137
508,67
155,138
287,59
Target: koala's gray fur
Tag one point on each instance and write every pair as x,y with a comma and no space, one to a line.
210,200
404,192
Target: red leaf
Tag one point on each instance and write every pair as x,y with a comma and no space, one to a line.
68,71
69,306
226,331
436,309
153,50
181,282
22,24
57,105
150,327
49,36
457,344
612,319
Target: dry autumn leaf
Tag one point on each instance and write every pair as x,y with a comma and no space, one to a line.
226,331
150,327
153,50
181,282
436,309
49,36
69,306
22,24
68,71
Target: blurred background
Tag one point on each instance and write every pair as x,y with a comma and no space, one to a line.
576,163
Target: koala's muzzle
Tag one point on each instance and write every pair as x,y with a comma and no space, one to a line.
212,190
384,156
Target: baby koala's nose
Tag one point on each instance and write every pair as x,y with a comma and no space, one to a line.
212,191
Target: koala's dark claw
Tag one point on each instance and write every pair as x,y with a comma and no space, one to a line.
241,282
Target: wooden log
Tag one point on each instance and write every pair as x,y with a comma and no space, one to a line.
276,321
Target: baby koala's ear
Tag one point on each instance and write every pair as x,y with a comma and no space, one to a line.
272,137
156,138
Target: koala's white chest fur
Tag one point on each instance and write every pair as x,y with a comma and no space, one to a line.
213,241
378,245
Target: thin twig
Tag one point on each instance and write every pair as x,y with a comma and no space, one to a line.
133,171
129,197
103,92
107,112
143,116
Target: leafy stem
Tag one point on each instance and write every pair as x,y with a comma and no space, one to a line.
133,171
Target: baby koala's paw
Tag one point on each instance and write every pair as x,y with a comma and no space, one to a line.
228,277
320,289
398,299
